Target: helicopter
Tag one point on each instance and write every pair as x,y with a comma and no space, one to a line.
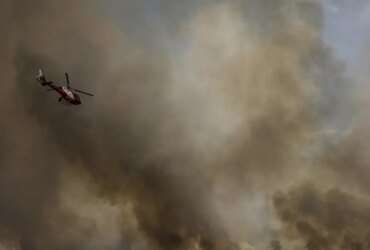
66,93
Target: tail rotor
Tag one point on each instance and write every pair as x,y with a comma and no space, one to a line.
42,79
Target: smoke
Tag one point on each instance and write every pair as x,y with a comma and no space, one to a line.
202,111
331,219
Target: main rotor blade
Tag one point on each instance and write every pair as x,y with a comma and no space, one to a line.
67,80
83,92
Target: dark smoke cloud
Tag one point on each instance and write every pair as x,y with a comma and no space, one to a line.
178,139
325,219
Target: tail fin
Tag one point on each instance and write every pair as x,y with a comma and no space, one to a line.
42,79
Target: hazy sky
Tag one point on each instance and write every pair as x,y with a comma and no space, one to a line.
347,28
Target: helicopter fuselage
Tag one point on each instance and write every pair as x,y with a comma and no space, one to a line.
67,95
70,96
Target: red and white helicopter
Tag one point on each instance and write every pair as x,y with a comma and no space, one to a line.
66,92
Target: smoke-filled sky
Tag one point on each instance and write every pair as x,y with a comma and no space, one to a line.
215,125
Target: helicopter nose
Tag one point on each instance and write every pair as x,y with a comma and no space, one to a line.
77,100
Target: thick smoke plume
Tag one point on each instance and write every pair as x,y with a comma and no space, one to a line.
209,120
325,220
